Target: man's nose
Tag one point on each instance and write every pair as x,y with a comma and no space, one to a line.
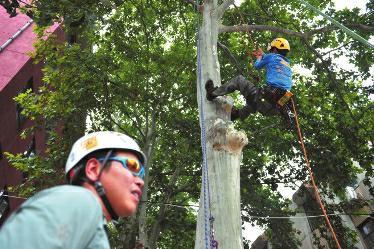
139,182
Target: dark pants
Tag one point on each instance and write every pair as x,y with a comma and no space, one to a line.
262,100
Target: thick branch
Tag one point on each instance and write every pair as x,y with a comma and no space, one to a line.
338,48
221,9
249,28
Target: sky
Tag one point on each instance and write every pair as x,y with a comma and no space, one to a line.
251,233
341,4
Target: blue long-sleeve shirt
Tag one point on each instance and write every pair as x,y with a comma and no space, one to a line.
278,70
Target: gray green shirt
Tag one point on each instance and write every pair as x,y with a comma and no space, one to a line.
60,217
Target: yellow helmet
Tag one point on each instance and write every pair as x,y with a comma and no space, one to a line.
280,43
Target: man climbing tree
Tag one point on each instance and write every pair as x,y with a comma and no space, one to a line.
268,100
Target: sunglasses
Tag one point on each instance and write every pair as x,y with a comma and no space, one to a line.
136,168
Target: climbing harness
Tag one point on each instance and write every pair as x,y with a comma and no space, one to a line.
279,99
311,174
283,104
284,99
208,218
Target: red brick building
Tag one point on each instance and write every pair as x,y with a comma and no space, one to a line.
17,74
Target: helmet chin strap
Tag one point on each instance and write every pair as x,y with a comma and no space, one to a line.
101,192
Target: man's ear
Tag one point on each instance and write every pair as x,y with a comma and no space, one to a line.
92,169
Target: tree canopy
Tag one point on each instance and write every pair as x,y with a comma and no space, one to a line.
134,70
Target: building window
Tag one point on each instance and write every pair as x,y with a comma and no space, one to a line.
4,204
21,118
367,231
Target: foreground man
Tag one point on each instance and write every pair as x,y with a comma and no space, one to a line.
105,172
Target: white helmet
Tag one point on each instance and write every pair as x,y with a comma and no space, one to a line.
98,141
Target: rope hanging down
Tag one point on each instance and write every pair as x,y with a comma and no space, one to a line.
209,232
339,25
210,242
312,177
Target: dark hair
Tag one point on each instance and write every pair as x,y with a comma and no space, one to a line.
79,176
282,52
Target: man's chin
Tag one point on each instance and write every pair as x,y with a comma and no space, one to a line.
128,211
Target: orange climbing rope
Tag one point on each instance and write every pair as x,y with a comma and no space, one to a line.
312,177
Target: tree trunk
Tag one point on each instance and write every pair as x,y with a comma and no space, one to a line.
128,237
223,145
156,228
148,147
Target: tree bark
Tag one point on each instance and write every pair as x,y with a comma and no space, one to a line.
148,147
156,228
223,146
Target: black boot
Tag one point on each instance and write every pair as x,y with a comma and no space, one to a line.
209,88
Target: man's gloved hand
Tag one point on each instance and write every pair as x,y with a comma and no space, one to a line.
258,53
